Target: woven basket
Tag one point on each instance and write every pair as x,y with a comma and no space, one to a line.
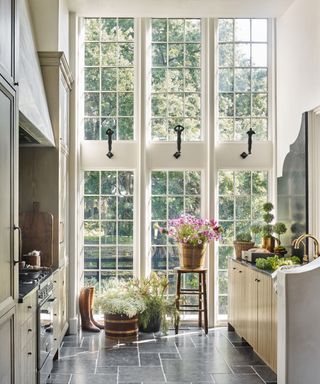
240,246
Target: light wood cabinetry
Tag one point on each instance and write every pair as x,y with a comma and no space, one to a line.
8,201
44,178
27,339
7,352
252,309
8,31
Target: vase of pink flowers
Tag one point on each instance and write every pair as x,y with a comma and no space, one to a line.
192,234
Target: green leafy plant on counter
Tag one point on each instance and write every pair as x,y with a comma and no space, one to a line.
243,236
274,262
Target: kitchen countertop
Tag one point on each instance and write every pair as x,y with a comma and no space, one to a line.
252,266
26,290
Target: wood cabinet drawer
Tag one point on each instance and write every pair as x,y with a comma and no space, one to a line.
28,330
28,307
28,363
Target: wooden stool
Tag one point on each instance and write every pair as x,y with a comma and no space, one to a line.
202,307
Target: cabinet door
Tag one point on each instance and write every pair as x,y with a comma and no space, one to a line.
241,312
264,316
252,310
273,357
63,207
7,39
7,157
231,292
7,323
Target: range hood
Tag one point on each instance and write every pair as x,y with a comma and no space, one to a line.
34,120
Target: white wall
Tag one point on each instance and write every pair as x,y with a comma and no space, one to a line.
298,70
50,20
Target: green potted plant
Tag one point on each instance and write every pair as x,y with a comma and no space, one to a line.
243,242
121,303
267,229
158,307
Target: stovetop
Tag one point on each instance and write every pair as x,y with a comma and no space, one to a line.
27,285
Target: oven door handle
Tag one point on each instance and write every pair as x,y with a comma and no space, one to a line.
52,300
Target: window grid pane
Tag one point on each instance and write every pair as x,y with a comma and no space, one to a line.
173,193
109,78
241,195
108,225
242,78
176,78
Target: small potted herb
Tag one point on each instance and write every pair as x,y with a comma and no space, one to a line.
243,242
267,229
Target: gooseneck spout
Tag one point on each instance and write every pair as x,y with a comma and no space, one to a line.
296,243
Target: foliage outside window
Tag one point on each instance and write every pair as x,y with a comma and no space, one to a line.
108,225
108,78
176,78
243,78
173,193
241,195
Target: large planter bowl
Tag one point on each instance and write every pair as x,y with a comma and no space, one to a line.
192,257
240,246
121,326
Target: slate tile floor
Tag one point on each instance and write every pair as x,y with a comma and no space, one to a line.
188,358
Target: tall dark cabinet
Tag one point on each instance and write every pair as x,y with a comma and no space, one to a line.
8,190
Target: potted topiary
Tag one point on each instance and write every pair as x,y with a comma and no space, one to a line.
243,242
158,307
121,303
266,230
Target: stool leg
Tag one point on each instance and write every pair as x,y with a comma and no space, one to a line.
178,301
200,300
205,303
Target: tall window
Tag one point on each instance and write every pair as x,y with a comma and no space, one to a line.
109,78
108,225
243,78
141,78
172,194
241,197
176,78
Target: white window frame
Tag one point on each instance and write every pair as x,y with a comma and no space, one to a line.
143,156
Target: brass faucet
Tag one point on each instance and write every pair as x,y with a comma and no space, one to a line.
296,244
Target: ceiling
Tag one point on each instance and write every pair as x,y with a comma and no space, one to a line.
180,8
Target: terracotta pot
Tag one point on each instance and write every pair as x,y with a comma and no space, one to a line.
240,246
269,242
121,326
192,257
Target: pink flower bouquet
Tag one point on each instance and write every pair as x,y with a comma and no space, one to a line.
191,230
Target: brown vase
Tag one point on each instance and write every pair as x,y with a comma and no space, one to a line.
269,242
192,257
121,326
240,246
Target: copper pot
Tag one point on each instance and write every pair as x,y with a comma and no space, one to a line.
32,260
191,256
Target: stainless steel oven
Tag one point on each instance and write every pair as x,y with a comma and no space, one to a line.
45,330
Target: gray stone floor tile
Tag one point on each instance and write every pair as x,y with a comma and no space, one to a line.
93,379
242,369
266,373
236,379
143,374
149,359
191,357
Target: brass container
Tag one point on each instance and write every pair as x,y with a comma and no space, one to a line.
240,246
192,257
121,326
269,242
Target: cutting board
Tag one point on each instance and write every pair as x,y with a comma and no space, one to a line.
37,233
